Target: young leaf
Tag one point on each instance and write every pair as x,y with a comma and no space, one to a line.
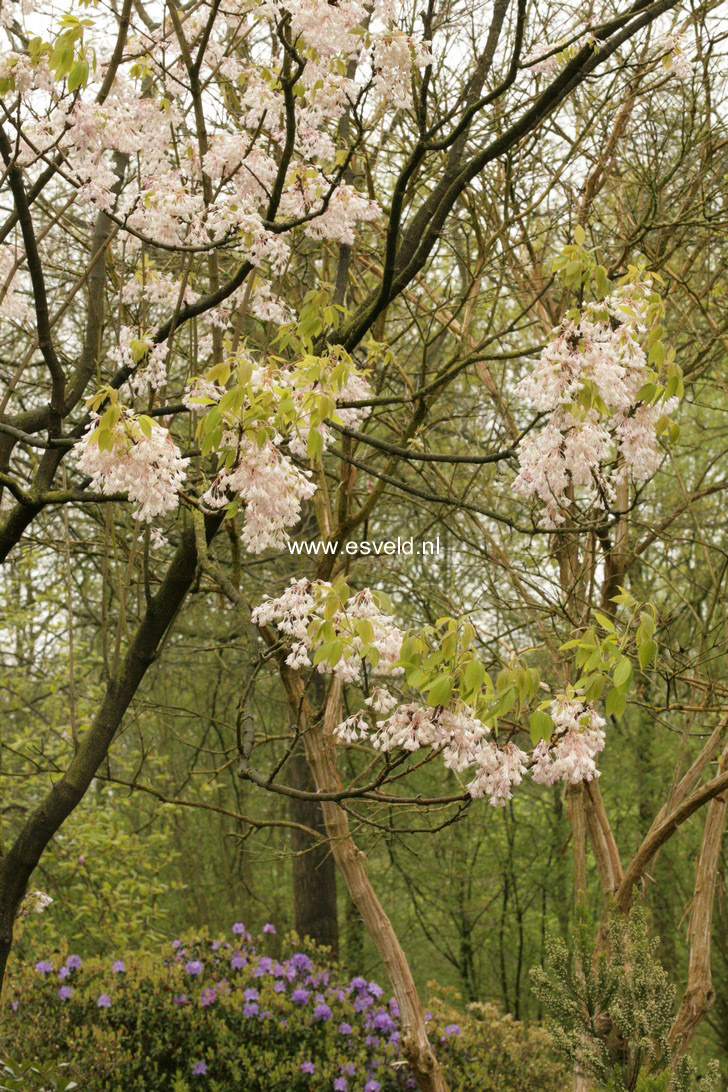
622,672
646,653
541,726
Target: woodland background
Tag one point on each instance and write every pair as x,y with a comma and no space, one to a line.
169,838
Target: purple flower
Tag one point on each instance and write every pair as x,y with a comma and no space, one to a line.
74,962
238,961
199,1067
383,1021
301,962
208,997
65,993
119,967
308,1067
322,1012
268,928
44,967
348,1070
375,990
452,1029
250,1008
372,1086
64,973
265,963
300,997
215,945
341,1084
279,987
104,1001
176,943
363,1002
180,999
251,994
345,1029
239,929
428,1016
194,967
359,983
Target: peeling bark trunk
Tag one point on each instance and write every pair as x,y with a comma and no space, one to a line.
699,995
321,754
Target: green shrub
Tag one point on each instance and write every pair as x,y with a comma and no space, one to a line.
220,1016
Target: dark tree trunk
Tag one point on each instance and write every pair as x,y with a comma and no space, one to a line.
314,870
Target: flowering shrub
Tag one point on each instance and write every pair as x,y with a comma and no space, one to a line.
216,1015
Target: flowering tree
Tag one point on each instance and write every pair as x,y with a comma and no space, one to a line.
211,212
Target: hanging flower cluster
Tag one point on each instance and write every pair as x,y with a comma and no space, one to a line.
605,408
123,453
344,52
258,418
340,628
270,487
330,628
675,60
577,740
568,756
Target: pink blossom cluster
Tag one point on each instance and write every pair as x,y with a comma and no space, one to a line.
615,440
167,202
499,770
463,741
13,305
578,738
458,735
271,487
543,60
675,61
262,475
148,468
299,612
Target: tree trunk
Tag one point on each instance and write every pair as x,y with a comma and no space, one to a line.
699,995
22,857
321,754
314,869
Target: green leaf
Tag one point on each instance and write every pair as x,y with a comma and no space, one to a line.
473,675
622,672
78,76
415,678
322,652
604,622
315,444
146,424
616,702
507,701
646,653
438,692
541,726
579,235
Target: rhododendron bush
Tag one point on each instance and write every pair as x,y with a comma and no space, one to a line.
200,1012
279,278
